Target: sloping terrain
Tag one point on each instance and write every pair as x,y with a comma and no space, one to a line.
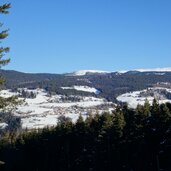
109,84
163,95
49,96
40,109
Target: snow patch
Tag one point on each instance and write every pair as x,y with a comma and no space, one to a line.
83,88
3,125
155,70
159,73
44,110
135,98
84,72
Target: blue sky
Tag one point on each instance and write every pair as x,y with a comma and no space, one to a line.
60,36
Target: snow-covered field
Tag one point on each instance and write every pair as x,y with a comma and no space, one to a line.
44,110
83,88
7,93
157,70
135,98
84,72
3,125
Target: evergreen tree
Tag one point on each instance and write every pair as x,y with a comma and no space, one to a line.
155,108
119,123
147,108
165,115
141,117
11,101
3,34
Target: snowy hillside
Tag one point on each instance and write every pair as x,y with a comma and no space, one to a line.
84,72
155,70
83,88
163,95
44,110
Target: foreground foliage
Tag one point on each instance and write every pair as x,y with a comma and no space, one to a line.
5,102
126,140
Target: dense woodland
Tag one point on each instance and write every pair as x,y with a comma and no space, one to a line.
126,140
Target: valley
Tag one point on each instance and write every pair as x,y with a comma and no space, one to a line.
44,110
49,97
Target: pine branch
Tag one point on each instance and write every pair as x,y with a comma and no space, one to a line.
4,34
9,102
4,8
4,62
4,50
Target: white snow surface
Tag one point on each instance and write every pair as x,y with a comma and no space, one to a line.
159,73
155,70
3,125
134,98
84,72
7,93
44,110
83,88
39,121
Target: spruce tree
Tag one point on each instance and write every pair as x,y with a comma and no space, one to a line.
3,34
147,107
5,103
11,101
155,108
118,123
165,115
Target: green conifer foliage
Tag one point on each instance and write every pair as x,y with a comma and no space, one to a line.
5,103
119,122
3,34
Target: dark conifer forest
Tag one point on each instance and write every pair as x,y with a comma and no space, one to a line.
126,140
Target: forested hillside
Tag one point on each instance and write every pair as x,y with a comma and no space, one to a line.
110,85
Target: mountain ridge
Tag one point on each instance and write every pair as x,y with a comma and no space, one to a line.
85,72
92,71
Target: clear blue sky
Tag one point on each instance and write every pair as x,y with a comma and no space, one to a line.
60,36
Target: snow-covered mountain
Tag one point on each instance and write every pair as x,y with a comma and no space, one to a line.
155,70
168,69
110,84
85,72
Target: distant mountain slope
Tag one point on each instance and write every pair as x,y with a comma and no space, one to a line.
155,70
15,77
110,85
90,72
86,72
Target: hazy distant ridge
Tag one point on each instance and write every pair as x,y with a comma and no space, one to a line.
84,72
